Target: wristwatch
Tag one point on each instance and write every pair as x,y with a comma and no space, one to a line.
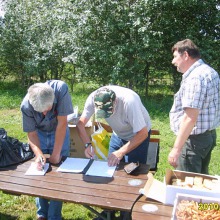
88,144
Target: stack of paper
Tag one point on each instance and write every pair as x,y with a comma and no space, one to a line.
73,165
100,168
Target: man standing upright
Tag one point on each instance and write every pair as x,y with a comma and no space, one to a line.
195,113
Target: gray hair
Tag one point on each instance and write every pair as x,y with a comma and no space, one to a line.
41,96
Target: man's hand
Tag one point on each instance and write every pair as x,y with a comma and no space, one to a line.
173,157
55,159
114,158
40,161
90,152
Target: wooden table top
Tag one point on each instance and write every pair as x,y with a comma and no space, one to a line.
164,212
107,193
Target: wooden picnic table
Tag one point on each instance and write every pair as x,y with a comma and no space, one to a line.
114,193
164,212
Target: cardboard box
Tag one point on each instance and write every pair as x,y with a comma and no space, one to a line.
76,145
195,207
166,193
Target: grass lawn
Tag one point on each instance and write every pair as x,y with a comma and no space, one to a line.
23,207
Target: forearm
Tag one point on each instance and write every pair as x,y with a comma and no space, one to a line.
188,122
80,127
134,142
34,142
60,135
185,130
116,156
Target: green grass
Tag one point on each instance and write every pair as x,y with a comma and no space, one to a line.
23,207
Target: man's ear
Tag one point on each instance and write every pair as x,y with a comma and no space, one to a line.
186,55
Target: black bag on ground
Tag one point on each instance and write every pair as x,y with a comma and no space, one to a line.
12,151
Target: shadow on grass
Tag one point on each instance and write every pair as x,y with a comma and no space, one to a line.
7,217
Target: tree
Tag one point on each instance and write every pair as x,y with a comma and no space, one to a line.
113,40
127,42
36,38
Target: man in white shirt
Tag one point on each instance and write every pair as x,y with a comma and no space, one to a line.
124,112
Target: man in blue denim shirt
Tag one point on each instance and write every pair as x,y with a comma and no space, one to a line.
44,116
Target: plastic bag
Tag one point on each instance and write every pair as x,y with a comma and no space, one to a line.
12,151
100,141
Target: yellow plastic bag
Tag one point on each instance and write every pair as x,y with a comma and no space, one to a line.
100,141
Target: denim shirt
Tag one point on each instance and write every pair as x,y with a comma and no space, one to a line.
62,106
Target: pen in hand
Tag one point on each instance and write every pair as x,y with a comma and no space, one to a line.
91,151
94,157
42,162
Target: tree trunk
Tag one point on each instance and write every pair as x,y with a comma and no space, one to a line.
146,76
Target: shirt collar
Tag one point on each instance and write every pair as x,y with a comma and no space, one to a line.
195,65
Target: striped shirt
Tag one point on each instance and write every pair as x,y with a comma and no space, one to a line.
200,89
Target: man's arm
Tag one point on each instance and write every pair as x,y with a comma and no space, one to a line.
80,127
34,142
59,139
188,122
116,156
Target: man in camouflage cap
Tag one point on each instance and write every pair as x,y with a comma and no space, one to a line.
123,110
104,100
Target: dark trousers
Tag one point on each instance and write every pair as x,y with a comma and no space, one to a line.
196,152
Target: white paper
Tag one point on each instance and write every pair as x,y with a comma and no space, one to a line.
73,165
33,171
100,168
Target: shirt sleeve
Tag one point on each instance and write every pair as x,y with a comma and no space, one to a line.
136,111
64,102
28,120
89,108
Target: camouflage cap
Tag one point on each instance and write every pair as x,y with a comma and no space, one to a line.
103,100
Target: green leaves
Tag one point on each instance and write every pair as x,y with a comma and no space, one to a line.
122,42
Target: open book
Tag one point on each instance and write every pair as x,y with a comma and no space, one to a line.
87,166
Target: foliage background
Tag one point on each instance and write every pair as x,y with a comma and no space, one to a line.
89,43
124,42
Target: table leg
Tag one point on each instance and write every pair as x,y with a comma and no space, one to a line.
108,215
99,214
126,215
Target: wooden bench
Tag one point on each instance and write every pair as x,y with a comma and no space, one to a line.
153,150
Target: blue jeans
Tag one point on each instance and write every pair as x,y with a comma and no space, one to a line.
139,154
51,209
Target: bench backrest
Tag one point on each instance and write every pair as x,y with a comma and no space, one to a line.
153,150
